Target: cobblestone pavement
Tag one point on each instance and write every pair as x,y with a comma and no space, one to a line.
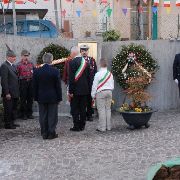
117,155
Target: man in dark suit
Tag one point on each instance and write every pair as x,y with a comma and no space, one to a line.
10,89
84,50
79,88
47,92
176,69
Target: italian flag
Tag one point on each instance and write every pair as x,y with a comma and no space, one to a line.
177,2
104,79
167,3
81,69
156,2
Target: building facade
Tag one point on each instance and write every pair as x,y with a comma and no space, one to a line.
134,19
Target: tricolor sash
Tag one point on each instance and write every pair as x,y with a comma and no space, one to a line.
104,79
80,70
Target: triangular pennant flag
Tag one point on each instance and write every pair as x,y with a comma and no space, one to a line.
168,10
104,1
109,11
20,2
78,12
33,1
156,3
145,1
94,13
81,1
177,2
46,0
124,10
68,0
167,3
154,9
6,1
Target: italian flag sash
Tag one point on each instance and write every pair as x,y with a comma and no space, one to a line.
80,70
104,79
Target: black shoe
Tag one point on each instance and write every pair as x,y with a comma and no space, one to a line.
16,125
99,130
45,136
30,117
90,119
52,136
82,128
74,129
24,118
9,127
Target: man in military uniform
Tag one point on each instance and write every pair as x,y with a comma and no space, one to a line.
25,73
176,70
93,70
79,89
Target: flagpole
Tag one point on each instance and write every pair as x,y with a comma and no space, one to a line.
56,14
14,17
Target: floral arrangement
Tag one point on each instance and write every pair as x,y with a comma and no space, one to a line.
58,53
134,69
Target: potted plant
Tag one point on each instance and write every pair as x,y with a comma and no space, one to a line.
134,69
88,34
111,35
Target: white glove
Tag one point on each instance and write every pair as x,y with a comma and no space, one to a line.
176,81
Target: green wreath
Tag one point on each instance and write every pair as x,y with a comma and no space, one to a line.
127,58
58,52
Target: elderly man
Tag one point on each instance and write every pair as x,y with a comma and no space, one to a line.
10,89
47,92
25,73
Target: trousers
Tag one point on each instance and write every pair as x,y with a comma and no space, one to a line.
103,101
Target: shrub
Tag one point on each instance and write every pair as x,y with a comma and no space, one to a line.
111,35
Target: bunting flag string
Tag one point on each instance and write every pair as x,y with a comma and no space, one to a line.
167,3
156,2
177,2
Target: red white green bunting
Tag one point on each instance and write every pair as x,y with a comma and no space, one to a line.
177,2
80,69
156,2
104,79
167,3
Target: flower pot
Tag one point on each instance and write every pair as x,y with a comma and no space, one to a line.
136,120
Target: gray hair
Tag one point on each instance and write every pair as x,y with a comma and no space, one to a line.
47,58
103,62
74,49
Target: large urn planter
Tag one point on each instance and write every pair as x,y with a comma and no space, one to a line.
136,120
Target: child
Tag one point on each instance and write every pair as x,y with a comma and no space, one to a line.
103,85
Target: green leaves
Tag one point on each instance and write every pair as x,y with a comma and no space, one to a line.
111,35
58,52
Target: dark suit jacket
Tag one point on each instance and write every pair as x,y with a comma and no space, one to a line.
82,86
47,85
9,80
176,67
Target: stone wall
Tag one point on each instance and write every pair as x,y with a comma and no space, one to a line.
163,89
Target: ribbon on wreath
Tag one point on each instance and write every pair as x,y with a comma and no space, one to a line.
132,59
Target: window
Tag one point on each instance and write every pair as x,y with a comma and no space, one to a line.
20,27
44,28
33,26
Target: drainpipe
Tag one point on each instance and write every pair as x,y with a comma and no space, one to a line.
154,24
14,18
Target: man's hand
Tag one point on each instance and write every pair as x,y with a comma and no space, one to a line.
176,81
8,96
70,96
